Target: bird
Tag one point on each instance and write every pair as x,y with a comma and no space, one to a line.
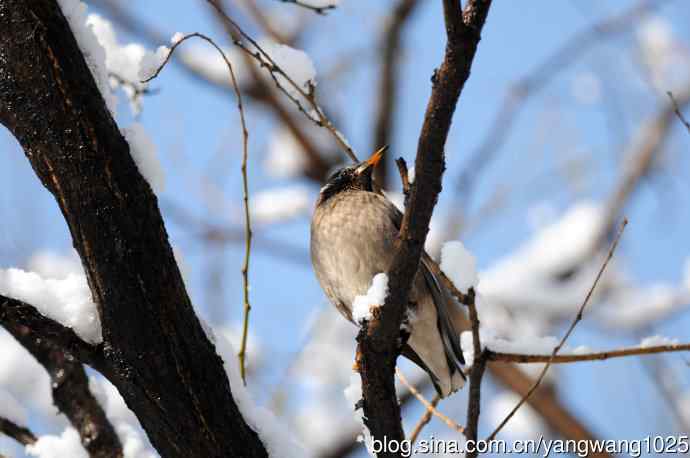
353,232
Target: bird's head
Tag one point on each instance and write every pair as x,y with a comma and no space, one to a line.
354,177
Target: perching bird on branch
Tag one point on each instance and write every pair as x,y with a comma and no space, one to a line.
353,231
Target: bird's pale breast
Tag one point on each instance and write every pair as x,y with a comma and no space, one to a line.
352,240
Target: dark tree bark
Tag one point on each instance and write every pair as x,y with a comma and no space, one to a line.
70,386
19,433
378,341
154,349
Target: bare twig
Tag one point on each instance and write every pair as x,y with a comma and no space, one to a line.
430,406
597,356
577,319
653,136
404,177
317,115
322,10
424,420
245,189
19,433
676,109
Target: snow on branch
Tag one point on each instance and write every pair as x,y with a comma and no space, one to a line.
277,61
363,306
67,301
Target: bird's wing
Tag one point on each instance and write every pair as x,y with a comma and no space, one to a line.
442,300
449,335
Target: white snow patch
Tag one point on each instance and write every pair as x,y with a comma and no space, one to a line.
151,62
67,301
656,341
279,204
524,345
66,444
135,443
121,61
321,3
144,153
459,265
94,54
530,277
296,64
176,38
274,434
375,297
24,378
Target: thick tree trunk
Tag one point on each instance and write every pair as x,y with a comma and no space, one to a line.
154,348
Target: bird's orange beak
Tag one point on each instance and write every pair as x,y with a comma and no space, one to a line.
377,156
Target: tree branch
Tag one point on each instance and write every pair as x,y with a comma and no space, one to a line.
576,320
676,110
155,350
71,393
378,339
15,314
430,406
19,433
598,356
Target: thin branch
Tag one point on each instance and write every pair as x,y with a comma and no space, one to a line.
71,393
640,164
404,177
598,356
15,313
19,433
676,109
322,10
425,419
476,375
255,88
266,61
245,189
430,408
577,319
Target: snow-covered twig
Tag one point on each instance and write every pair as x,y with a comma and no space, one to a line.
266,61
575,358
577,319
